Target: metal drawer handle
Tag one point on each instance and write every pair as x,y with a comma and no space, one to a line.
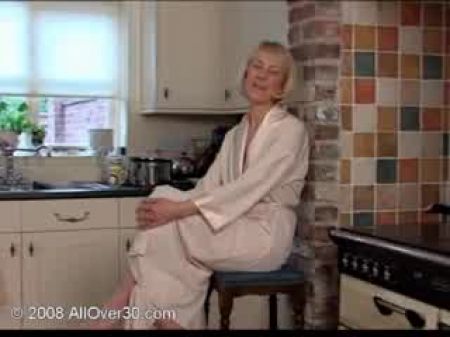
12,250
71,219
128,245
387,308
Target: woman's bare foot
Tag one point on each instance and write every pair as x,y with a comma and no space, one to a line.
167,324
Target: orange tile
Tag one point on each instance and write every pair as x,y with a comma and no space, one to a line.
386,144
347,40
387,38
364,37
447,41
410,13
387,64
432,119
364,91
409,170
347,64
446,118
432,41
345,171
430,194
347,117
410,66
430,170
386,196
408,217
387,118
432,15
346,90
363,197
385,218
363,145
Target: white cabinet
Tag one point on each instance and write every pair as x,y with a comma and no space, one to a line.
181,57
126,237
57,253
10,275
245,24
192,52
68,269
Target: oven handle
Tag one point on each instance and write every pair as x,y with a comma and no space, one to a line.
386,308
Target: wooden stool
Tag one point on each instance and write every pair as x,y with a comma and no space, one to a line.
234,284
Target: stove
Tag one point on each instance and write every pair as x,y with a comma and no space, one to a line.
410,259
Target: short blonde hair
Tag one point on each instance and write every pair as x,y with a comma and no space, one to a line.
290,69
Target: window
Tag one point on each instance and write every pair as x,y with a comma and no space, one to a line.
67,59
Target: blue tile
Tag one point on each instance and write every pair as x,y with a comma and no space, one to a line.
432,67
362,219
364,64
409,119
386,171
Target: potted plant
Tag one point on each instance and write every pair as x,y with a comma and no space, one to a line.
14,120
37,134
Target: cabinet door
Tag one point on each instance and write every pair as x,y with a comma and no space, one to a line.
9,279
188,57
246,23
68,269
10,223
126,238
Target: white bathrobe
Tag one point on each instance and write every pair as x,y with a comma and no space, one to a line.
246,220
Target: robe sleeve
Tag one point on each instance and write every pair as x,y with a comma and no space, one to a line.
213,178
226,203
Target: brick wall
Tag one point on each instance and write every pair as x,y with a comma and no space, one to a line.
314,39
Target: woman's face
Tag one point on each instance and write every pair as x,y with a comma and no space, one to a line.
265,77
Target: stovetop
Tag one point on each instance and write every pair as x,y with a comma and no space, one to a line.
432,237
412,259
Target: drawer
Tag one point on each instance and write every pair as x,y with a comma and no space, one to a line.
358,308
127,209
69,214
10,216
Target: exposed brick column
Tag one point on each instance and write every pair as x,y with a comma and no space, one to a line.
314,39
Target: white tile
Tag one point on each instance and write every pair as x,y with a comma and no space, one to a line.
347,12
410,144
431,144
364,117
432,93
388,13
363,171
388,91
410,40
365,12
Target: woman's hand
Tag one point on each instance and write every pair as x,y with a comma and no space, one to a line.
154,212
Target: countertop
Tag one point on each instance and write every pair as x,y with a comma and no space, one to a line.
80,192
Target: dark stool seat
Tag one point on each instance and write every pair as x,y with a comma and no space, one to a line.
230,284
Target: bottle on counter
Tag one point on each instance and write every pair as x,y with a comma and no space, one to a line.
117,167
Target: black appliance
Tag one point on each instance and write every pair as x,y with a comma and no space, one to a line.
411,259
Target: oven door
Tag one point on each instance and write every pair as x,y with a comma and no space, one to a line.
366,306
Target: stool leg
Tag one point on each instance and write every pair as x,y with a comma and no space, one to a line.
225,306
298,306
273,313
206,304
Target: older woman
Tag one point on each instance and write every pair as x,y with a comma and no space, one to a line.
241,214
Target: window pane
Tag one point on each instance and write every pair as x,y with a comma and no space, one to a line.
76,52
68,121
14,47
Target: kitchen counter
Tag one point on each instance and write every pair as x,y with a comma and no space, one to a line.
84,192
72,193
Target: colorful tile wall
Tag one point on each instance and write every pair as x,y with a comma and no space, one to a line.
394,96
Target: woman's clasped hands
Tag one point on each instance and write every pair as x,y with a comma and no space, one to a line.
155,212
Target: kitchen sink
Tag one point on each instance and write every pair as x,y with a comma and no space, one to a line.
42,186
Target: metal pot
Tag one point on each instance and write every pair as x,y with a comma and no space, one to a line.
148,172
